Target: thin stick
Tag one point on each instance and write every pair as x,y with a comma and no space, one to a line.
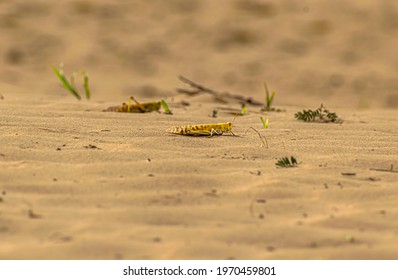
385,170
198,88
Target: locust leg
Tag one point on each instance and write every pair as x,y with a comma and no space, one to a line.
128,105
212,131
215,132
142,108
199,133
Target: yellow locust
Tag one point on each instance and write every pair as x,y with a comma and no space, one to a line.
202,129
209,130
135,108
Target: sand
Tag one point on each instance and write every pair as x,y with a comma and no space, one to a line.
80,183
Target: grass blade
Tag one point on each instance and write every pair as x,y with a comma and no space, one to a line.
269,98
265,123
86,87
244,110
65,82
166,107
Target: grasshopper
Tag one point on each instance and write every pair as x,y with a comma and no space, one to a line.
210,130
202,129
135,108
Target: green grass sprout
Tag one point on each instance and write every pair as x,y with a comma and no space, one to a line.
86,87
269,98
286,162
83,74
64,81
265,123
71,86
244,109
166,107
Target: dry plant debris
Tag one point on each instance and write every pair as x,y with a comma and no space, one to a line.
218,96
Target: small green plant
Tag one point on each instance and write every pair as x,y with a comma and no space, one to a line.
286,162
265,122
70,86
319,115
244,109
166,107
269,98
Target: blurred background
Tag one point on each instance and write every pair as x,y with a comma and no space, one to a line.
340,53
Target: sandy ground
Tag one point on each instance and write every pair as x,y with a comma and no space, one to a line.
80,183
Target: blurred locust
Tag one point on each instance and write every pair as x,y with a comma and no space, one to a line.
135,108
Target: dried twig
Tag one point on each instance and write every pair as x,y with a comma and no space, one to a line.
219,96
385,170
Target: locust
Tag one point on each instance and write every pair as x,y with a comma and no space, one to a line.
135,108
210,130
202,129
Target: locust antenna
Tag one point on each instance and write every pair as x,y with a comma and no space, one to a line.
262,138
